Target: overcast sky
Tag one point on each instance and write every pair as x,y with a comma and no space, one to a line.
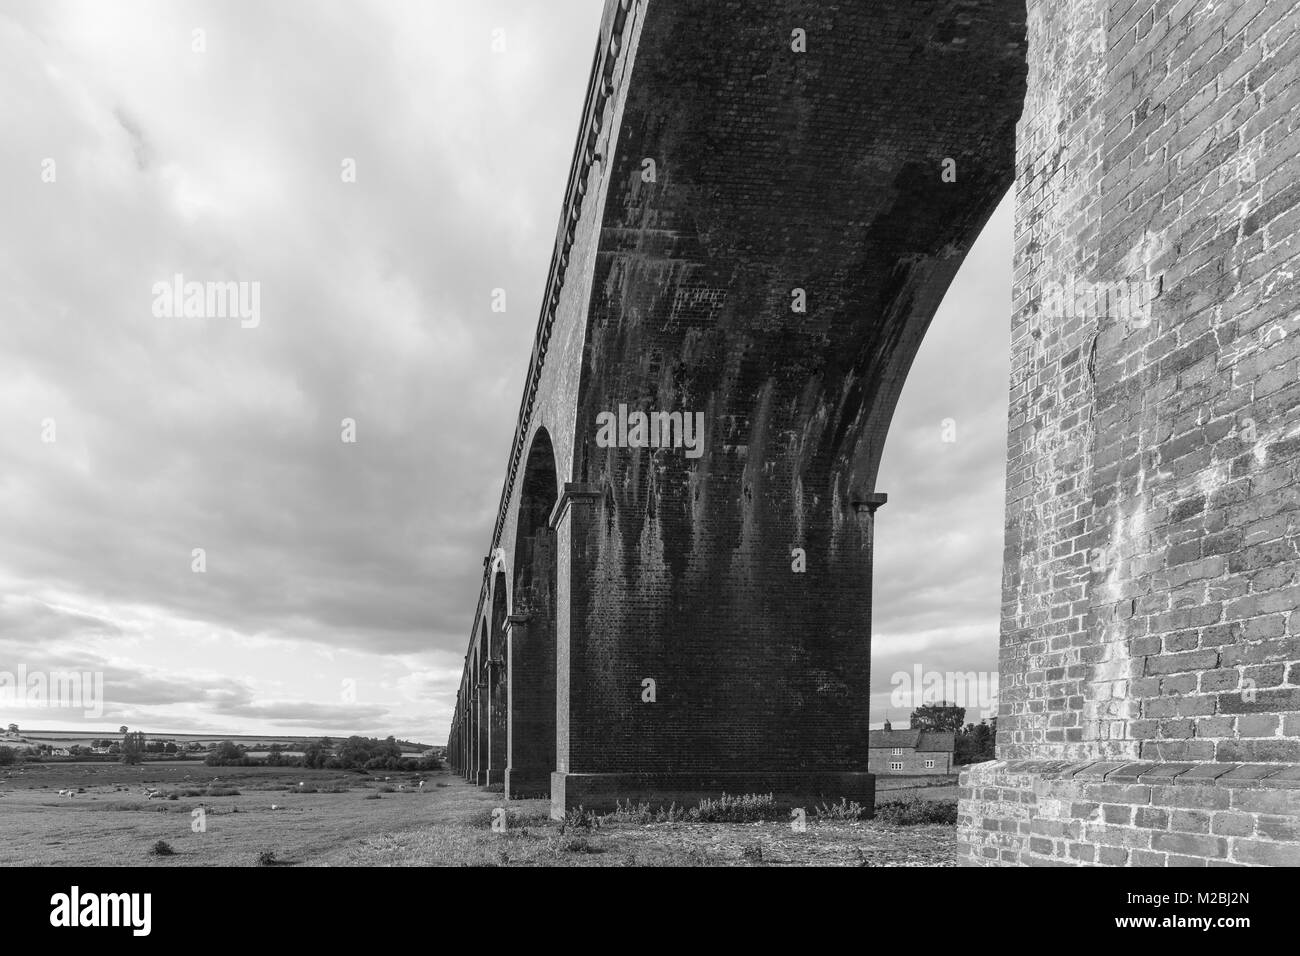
341,577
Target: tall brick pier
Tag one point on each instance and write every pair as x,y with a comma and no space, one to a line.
766,205
1150,647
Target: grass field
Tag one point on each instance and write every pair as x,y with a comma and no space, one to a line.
342,818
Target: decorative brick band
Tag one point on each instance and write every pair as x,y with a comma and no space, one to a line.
599,88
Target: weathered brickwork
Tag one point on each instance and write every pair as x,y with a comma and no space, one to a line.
1112,813
682,568
1151,568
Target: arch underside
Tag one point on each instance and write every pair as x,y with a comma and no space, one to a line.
531,638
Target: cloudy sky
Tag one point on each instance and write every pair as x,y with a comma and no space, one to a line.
217,141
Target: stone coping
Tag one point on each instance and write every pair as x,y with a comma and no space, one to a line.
1282,776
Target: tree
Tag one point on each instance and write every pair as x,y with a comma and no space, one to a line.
7,756
226,754
13,728
938,717
313,755
123,729
169,747
975,742
133,747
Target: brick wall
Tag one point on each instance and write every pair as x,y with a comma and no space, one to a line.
882,760
1142,814
1150,589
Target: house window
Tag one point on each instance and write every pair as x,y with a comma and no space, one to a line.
898,751
929,764
896,765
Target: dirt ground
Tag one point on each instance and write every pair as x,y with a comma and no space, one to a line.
291,816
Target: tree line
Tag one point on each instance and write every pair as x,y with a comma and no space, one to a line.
972,743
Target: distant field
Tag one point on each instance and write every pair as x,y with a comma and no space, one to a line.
383,819
66,738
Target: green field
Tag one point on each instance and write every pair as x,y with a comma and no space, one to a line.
382,819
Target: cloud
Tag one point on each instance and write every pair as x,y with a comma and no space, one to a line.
938,560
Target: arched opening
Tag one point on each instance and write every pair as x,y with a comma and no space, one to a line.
481,716
481,709
466,730
937,608
497,684
530,658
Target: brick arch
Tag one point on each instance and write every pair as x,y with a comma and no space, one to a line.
531,627
479,706
498,681
772,174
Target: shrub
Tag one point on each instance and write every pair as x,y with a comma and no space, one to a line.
162,848
226,754
576,844
631,813
753,852
579,820
911,812
267,858
643,813
745,809
371,796
842,811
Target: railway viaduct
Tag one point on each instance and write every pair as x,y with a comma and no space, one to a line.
767,202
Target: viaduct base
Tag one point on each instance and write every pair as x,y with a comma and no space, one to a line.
603,791
1116,813
528,784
